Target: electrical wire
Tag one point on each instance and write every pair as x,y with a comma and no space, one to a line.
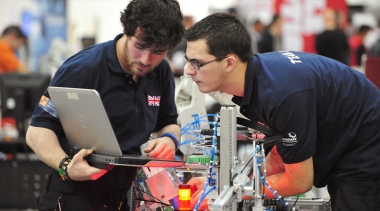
136,195
294,205
147,207
279,198
208,181
192,129
198,142
159,201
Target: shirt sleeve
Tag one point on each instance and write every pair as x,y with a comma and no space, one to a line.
43,117
296,118
12,62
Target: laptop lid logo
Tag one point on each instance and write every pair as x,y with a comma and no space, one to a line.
82,121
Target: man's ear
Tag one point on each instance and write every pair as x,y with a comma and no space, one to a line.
231,63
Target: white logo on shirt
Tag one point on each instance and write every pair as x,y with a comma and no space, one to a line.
293,58
290,139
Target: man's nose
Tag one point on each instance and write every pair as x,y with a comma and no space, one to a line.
189,70
146,57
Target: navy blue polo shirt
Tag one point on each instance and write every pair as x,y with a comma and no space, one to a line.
132,107
324,109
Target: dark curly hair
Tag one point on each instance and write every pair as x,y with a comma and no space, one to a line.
161,22
224,33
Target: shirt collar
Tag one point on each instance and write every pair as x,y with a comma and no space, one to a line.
248,84
112,61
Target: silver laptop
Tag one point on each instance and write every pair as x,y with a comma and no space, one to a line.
86,125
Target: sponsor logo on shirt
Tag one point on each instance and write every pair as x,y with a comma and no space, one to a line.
289,139
46,104
154,100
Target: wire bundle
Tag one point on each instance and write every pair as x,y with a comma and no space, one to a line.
196,140
262,178
209,181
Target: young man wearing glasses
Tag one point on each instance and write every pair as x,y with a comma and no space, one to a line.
328,113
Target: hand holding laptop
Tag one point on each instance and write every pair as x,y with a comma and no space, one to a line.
84,130
79,169
163,148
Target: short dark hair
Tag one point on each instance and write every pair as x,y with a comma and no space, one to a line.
161,22
364,28
275,18
224,33
16,30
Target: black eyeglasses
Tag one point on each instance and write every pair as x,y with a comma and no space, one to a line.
198,65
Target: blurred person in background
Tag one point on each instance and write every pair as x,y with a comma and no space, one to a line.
372,41
271,39
357,46
375,49
255,28
332,42
175,56
11,40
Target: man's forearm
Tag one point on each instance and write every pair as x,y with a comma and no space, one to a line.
274,162
296,179
45,144
281,184
175,129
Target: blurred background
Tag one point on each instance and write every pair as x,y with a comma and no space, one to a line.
57,29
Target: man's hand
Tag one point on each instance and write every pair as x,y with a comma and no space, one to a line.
79,170
196,186
163,148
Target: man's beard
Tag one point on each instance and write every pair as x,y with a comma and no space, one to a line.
131,69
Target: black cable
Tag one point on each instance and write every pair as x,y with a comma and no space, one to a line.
296,201
159,201
147,207
140,199
294,205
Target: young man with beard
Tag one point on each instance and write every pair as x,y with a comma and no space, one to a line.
328,113
125,71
